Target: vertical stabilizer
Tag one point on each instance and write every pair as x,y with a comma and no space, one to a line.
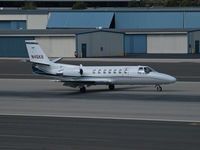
35,53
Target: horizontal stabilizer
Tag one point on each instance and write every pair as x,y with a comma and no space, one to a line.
56,60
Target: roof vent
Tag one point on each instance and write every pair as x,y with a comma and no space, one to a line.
100,28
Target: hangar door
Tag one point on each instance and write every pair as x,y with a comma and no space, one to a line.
135,44
167,44
8,25
13,46
55,46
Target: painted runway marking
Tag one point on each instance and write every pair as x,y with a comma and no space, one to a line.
191,122
16,74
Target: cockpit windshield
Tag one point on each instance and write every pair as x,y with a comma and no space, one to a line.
145,70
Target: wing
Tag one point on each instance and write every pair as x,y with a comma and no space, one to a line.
77,81
56,60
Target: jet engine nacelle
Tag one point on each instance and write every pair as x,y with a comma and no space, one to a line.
73,72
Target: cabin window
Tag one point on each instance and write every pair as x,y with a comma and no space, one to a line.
104,71
109,71
115,71
147,70
120,71
126,71
141,70
99,71
94,71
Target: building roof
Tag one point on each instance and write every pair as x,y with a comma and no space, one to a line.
156,30
42,31
100,30
80,19
45,10
146,9
71,0
15,11
36,32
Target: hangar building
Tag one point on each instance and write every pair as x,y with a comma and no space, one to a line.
55,43
194,41
101,32
156,41
100,43
18,20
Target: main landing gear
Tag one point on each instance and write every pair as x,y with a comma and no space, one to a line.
158,88
111,86
82,89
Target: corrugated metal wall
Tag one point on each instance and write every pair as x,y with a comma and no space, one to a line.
55,46
119,19
128,44
37,21
145,20
80,19
192,20
101,43
167,44
140,44
12,25
13,46
25,21
194,37
135,44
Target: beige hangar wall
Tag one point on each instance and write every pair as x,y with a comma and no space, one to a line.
12,17
167,43
37,21
63,46
33,21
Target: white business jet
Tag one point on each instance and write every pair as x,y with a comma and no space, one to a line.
82,76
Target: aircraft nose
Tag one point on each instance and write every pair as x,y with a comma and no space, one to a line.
170,79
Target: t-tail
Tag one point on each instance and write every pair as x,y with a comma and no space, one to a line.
35,53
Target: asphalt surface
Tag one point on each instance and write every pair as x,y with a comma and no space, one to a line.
182,70
48,133
179,101
36,113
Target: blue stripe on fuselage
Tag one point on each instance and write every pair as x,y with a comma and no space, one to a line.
38,71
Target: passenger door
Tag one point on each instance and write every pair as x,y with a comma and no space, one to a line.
84,50
197,46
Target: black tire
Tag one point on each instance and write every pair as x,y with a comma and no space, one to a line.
111,86
159,88
82,89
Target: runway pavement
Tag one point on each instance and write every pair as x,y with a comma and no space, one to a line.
180,101
36,113
48,133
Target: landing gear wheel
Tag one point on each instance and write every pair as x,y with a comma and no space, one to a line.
158,88
82,89
111,86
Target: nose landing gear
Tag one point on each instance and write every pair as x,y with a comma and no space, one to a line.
158,88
